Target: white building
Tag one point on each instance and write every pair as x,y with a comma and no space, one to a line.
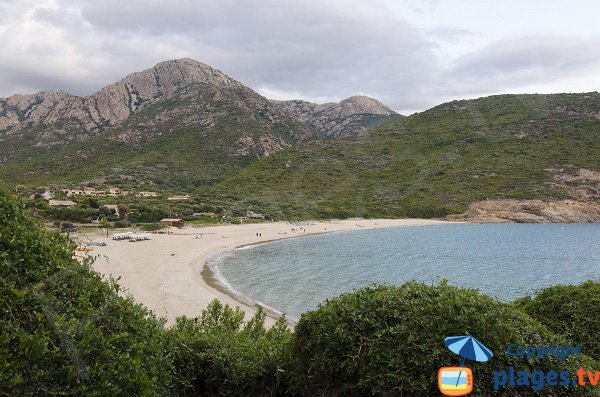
61,203
148,194
178,198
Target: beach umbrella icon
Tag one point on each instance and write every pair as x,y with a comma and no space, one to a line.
468,348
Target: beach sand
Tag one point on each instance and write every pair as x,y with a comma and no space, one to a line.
167,273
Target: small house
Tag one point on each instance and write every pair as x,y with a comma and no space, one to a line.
71,192
173,222
61,203
254,215
178,198
148,194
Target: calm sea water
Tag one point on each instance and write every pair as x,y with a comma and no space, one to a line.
505,261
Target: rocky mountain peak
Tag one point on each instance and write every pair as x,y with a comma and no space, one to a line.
167,77
351,116
17,108
80,117
365,104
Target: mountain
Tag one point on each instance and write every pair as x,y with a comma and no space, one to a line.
349,117
180,122
63,117
509,148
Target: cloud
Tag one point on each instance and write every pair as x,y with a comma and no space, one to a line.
330,50
521,62
294,49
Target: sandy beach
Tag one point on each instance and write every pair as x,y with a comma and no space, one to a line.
168,274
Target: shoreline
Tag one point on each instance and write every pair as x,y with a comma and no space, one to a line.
212,278
169,274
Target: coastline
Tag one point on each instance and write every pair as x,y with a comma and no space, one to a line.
169,273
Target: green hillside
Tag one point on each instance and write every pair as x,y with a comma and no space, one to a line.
432,163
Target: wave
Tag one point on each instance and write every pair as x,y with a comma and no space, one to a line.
214,263
249,246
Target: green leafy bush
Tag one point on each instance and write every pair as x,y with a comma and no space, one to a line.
63,330
385,340
121,224
151,227
570,310
218,354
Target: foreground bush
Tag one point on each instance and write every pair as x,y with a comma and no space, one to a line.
64,331
390,341
218,354
570,310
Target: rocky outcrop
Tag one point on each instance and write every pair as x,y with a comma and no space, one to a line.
61,117
349,117
530,211
30,109
236,119
581,184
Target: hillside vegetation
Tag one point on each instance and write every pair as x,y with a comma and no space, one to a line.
184,127
433,163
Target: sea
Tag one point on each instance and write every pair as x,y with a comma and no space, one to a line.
506,261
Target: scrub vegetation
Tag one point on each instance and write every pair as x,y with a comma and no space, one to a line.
567,310
432,163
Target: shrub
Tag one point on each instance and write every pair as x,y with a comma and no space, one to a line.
385,340
63,330
570,310
150,227
121,224
218,354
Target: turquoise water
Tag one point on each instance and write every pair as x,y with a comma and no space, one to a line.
505,261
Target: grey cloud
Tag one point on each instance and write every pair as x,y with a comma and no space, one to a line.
526,60
25,78
450,33
332,50
306,49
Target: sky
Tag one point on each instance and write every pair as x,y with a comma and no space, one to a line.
409,54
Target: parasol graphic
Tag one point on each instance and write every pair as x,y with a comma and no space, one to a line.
468,348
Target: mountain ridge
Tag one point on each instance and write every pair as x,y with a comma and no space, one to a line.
88,115
199,115
200,131
350,116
